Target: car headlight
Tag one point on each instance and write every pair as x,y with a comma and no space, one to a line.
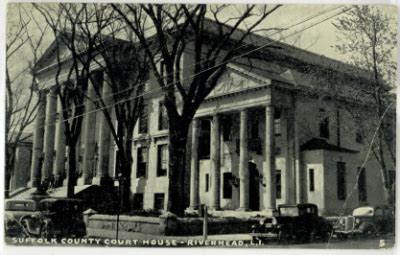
274,221
262,221
341,221
357,221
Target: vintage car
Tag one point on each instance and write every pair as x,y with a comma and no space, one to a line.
13,227
292,222
49,217
365,220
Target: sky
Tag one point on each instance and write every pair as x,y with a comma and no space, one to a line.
319,39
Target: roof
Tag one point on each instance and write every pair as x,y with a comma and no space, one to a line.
322,144
270,47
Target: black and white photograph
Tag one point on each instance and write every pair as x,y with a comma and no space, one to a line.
255,126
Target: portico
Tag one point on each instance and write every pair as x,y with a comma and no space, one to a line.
240,171
50,152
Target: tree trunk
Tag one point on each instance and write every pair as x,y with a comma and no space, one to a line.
7,184
71,171
176,173
126,174
10,160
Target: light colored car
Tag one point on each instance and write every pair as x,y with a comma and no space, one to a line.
365,220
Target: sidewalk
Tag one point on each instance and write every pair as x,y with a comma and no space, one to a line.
106,233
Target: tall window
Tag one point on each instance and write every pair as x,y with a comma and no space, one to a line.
227,188
143,120
141,162
162,160
311,179
323,124
277,122
162,117
254,120
278,184
359,137
159,201
362,185
392,177
227,128
207,181
341,180
138,201
204,139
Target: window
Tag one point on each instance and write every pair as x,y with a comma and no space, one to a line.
311,179
341,180
138,201
207,181
277,123
162,117
323,124
362,185
143,120
141,162
204,139
227,188
359,133
278,184
227,128
159,201
392,177
359,136
254,119
162,160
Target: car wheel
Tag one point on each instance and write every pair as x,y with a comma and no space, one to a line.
44,231
370,230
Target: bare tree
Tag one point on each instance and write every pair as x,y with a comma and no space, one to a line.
368,38
21,87
62,19
91,37
214,40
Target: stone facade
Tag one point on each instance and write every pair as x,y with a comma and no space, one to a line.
268,134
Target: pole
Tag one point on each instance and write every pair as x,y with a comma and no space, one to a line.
119,203
205,222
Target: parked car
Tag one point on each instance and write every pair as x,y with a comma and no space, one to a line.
49,217
293,222
13,227
365,220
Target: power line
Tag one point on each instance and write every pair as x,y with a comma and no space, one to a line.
191,76
243,45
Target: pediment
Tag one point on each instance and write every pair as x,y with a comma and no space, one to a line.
236,79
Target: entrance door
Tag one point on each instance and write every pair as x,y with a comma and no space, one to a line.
254,189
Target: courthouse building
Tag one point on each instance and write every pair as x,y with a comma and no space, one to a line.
282,126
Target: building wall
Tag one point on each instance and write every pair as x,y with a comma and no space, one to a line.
150,184
21,173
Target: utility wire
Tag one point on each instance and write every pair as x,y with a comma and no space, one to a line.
193,75
246,44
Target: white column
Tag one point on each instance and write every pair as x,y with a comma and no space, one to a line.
215,164
49,135
103,177
59,164
269,164
37,154
194,167
88,166
297,165
243,163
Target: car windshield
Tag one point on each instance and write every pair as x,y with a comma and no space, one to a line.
363,211
289,211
